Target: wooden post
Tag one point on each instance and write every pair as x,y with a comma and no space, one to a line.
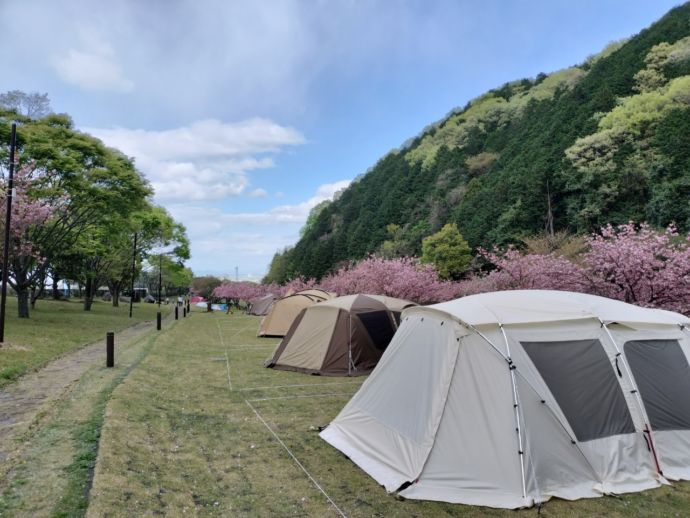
110,349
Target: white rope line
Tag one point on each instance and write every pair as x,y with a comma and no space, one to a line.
340,512
304,385
227,364
304,396
220,335
238,332
252,345
227,358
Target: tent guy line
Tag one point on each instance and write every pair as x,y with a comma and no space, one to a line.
252,345
303,396
227,358
354,382
292,455
280,441
227,365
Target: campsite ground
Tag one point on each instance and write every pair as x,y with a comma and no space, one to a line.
191,424
201,427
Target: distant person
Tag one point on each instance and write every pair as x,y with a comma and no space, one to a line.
180,301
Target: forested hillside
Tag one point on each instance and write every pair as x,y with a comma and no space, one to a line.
606,141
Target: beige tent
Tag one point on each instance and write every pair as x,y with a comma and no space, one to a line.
284,311
508,399
344,336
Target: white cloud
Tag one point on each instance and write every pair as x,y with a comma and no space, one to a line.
206,160
92,67
214,219
249,239
258,193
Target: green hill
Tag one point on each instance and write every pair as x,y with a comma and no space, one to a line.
607,141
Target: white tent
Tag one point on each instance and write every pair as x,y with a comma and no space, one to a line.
508,399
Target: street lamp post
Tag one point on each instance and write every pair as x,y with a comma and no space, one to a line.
8,217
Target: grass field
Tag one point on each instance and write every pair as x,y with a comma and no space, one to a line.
200,428
57,327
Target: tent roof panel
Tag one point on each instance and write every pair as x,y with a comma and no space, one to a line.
532,306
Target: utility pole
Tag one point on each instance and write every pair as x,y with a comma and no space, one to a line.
237,277
134,266
8,218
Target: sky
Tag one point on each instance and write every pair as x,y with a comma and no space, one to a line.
243,115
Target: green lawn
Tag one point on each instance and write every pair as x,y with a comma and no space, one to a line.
191,431
56,327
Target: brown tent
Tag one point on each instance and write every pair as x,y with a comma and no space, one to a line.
262,305
345,336
284,311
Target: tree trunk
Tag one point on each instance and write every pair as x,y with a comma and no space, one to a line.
56,291
37,293
88,294
23,302
115,292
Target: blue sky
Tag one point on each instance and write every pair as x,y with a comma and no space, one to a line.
245,114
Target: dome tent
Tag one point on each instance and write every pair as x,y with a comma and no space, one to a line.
284,311
262,305
344,336
508,399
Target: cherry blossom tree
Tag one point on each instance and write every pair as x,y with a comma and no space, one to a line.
403,278
632,263
27,261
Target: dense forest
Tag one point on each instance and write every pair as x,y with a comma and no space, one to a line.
607,141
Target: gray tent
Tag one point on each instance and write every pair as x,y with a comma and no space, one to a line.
262,305
508,399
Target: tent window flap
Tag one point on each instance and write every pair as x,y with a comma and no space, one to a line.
583,382
662,375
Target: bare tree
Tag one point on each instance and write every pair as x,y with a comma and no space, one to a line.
34,105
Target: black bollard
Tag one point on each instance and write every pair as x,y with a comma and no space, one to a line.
176,309
184,312
158,321
110,349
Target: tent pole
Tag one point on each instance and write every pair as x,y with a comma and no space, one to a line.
572,438
638,399
516,409
349,346
511,368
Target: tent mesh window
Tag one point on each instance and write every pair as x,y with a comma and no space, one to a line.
662,375
584,384
379,326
